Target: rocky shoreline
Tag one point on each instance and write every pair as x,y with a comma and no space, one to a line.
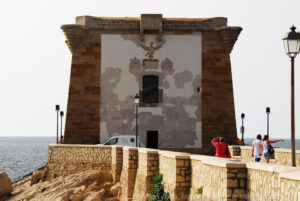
91,185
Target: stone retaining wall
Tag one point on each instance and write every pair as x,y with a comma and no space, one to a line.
281,156
185,176
68,159
272,182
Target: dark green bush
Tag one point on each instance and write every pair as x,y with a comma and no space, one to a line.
158,193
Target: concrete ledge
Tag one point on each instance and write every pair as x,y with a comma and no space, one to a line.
293,175
149,151
225,163
246,147
269,167
276,149
234,146
79,145
115,146
219,162
285,150
129,148
176,155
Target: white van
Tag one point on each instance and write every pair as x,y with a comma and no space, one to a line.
126,140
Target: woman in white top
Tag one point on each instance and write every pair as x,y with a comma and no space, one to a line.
265,144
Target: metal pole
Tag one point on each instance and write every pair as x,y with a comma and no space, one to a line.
292,115
61,117
268,125
243,130
57,127
136,125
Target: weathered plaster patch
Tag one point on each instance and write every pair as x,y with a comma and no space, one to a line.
198,140
152,110
103,131
126,80
182,78
121,79
132,38
191,110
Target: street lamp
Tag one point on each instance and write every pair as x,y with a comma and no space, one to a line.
242,127
61,125
268,111
291,43
136,101
57,111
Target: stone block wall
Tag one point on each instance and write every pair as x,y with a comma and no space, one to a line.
272,182
116,162
147,169
185,176
83,109
129,170
68,159
217,179
176,170
217,103
208,182
281,156
235,150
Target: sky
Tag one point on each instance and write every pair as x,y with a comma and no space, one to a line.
35,61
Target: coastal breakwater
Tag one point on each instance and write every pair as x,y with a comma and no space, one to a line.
185,176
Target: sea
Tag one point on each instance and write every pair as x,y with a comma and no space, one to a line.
20,156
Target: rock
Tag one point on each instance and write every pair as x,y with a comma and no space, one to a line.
5,185
95,196
106,186
115,189
79,189
36,177
77,197
112,199
65,188
119,194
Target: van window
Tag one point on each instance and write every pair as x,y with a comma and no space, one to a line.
112,141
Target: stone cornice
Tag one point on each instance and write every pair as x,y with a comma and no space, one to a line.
229,36
168,24
75,35
78,34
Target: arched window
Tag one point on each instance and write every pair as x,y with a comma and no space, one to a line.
150,89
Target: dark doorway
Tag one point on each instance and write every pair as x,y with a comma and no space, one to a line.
152,139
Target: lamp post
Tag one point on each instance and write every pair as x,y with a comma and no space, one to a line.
57,111
61,126
268,111
291,43
136,101
242,127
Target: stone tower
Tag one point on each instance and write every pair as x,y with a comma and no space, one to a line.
180,67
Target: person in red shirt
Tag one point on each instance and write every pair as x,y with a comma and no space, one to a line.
222,149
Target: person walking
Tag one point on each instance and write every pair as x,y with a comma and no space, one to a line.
257,148
267,148
222,149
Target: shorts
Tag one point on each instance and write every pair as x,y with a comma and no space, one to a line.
267,155
257,159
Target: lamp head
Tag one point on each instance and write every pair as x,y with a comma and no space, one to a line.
291,42
57,107
61,113
137,99
268,110
243,115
